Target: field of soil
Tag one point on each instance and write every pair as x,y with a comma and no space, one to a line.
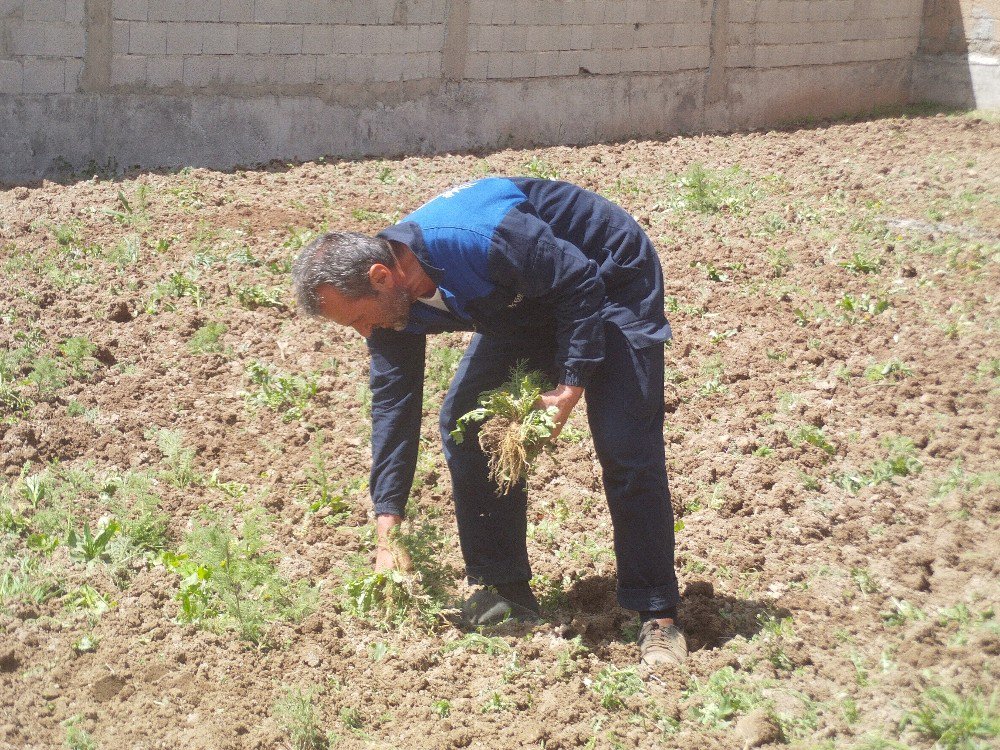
185,528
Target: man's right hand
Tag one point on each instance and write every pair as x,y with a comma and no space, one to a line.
390,553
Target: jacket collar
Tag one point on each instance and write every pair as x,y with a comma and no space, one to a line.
410,234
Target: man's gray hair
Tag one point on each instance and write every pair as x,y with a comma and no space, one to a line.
342,260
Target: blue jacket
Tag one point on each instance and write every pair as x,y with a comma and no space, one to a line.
512,257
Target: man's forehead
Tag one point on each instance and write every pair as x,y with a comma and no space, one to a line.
333,304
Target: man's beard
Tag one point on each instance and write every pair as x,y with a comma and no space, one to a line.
398,309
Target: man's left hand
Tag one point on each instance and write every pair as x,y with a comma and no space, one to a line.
563,399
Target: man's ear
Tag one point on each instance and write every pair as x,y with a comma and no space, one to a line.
379,276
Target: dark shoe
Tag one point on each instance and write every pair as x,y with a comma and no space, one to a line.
492,605
661,644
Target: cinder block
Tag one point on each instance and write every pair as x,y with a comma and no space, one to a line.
431,38
359,69
569,63
505,13
481,11
43,76
590,12
11,77
653,35
145,38
329,67
252,38
309,11
424,12
26,38
415,68
270,11
76,11
523,65
636,11
164,10
693,11
300,69
317,39
128,70
73,69
164,70
615,12
202,10
830,10
499,65
514,39
476,65
490,38
350,39
684,58
362,13
201,70
389,67
582,37
44,10
546,64
286,39
219,39
236,11
119,37
184,38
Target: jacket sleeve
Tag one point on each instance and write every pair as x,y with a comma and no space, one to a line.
530,259
397,384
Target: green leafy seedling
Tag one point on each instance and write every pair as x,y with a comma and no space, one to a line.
89,547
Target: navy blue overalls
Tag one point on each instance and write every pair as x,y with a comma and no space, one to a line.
544,271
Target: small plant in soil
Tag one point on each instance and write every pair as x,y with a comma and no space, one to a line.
387,598
614,685
78,352
206,338
87,546
724,696
891,371
513,431
77,737
862,263
178,458
955,722
298,717
230,580
252,297
288,394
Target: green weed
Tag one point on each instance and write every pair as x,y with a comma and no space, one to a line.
538,167
478,643
179,458
229,580
442,707
725,695
77,737
813,436
891,371
497,703
710,192
441,366
47,376
614,685
901,612
955,722
88,547
254,296
178,285
78,352
288,394
206,339
298,717
862,263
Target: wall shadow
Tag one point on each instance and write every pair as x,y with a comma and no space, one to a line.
941,71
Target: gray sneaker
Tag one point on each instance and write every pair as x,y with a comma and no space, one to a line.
488,606
661,644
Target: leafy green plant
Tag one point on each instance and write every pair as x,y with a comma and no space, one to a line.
87,547
900,612
479,643
79,353
813,436
46,375
863,307
77,737
442,707
229,580
254,296
538,167
614,685
893,370
497,703
955,722
179,284
320,490
206,339
298,717
288,394
514,432
387,598
710,192
725,695
779,260
12,402
861,263
178,457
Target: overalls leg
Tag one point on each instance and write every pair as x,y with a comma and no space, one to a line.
625,411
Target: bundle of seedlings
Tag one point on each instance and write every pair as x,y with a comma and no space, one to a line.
513,431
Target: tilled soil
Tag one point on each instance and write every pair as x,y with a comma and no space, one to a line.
832,434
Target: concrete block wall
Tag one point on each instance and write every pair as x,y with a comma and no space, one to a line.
958,59
42,45
220,82
227,45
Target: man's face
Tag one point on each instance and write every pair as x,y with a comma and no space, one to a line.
388,308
